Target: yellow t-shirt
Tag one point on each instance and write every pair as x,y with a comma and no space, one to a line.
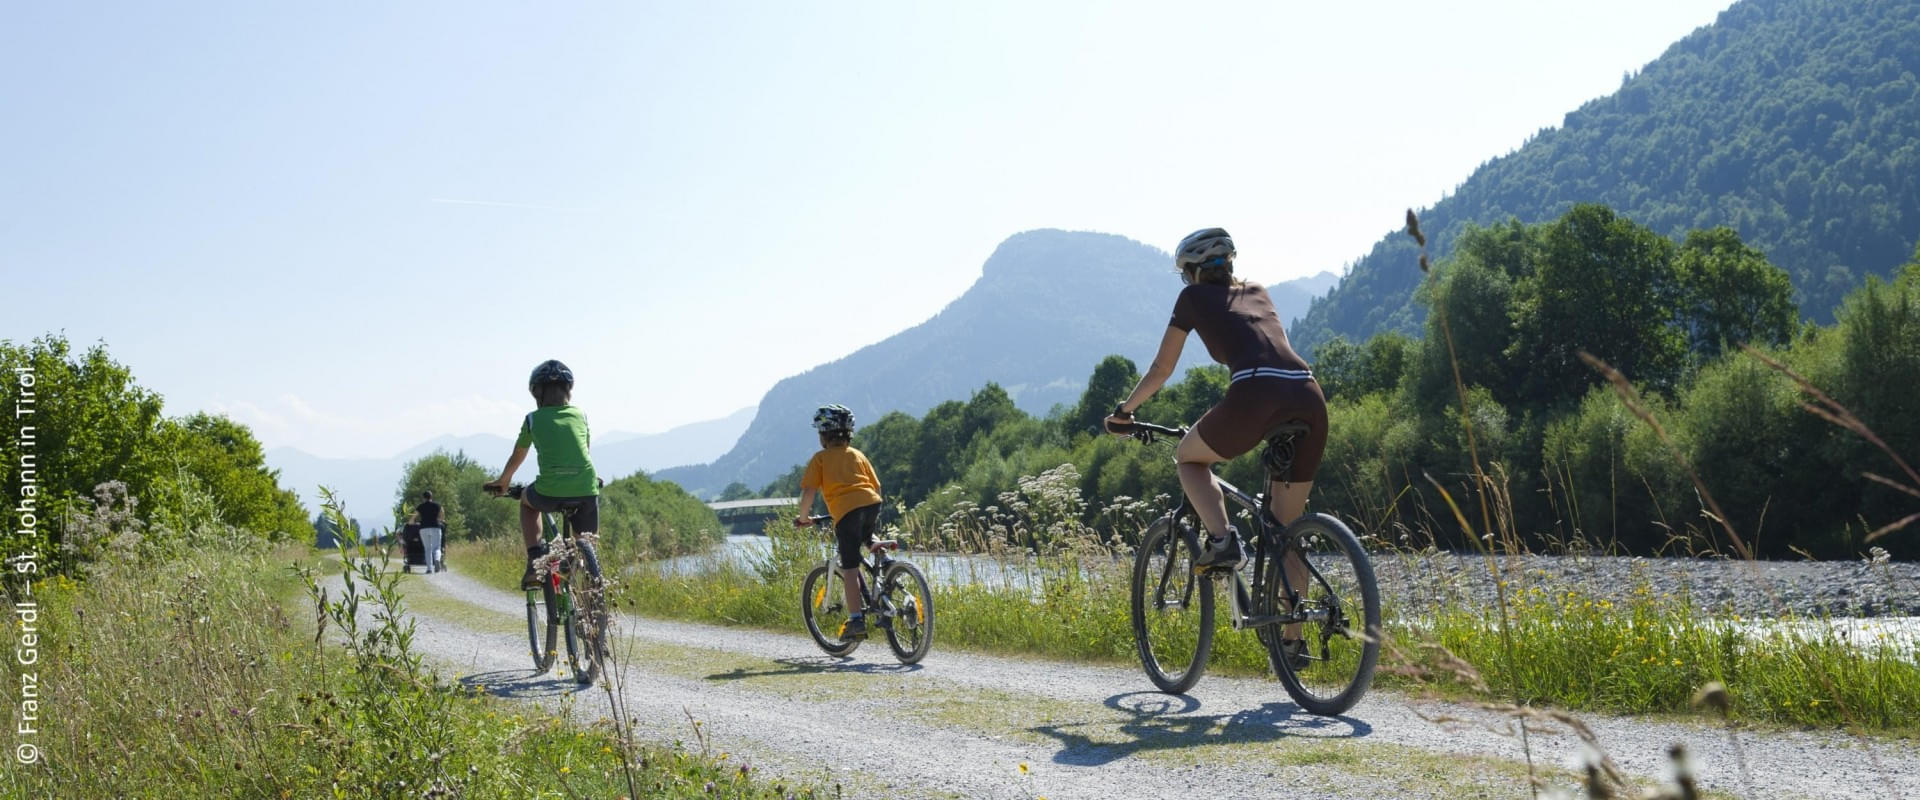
844,477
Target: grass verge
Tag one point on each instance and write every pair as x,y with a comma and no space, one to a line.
212,676
1647,654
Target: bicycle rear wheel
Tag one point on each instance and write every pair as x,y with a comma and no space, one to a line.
908,604
1341,604
823,606
542,612
1172,607
586,631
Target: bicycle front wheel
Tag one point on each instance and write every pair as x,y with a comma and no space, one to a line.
587,647
823,606
1172,607
1339,608
908,604
542,612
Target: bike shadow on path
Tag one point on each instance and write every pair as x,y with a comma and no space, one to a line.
520,684
815,665
1155,721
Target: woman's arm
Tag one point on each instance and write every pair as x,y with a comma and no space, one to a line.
1156,376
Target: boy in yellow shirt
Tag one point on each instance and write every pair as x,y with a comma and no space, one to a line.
843,476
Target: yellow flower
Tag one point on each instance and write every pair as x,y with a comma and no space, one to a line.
566,770
1023,767
1811,703
1676,662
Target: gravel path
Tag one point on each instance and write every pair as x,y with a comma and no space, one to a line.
962,725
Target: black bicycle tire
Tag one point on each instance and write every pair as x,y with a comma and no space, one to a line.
1163,529
588,609
543,656
831,645
889,579
1356,555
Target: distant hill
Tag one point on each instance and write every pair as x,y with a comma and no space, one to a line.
367,485
1794,122
1048,306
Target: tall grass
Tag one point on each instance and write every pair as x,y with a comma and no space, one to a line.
1584,650
212,674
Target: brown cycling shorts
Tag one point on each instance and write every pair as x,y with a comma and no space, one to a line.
1254,406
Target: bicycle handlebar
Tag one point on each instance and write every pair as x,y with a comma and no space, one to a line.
1147,431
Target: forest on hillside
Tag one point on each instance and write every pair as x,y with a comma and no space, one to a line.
639,516
1796,123
1578,469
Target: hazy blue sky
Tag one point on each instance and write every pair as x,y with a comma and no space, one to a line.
355,226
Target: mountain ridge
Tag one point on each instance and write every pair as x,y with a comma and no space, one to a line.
1049,304
368,485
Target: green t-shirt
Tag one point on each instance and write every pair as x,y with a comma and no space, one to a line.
559,436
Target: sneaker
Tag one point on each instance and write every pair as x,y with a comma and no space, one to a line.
854,629
528,581
1222,553
1295,652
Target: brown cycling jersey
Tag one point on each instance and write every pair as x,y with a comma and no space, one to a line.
1238,325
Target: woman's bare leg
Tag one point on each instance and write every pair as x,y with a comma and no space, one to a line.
1195,460
1290,503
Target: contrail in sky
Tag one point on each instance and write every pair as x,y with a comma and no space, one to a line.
496,203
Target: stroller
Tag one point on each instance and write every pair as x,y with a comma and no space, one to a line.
424,548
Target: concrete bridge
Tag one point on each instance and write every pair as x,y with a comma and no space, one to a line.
750,516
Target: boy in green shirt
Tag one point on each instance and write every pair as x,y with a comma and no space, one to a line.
566,483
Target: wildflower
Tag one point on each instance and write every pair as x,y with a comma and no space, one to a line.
1023,767
566,770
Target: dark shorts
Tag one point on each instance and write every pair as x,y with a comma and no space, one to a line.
853,531
585,511
1255,406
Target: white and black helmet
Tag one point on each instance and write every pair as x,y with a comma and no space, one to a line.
833,418
1204,249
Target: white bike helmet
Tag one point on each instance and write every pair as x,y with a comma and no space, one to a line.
833,418
1205,249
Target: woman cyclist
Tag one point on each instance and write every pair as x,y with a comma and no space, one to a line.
1271,385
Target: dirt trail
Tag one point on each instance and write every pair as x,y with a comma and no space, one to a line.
962,725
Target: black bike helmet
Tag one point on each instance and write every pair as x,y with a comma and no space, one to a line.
549,372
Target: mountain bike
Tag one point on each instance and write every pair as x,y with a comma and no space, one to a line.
571,602
893,593
1307,592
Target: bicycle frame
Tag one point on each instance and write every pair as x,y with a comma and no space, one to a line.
870,565
1264,530
564,610
549,533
